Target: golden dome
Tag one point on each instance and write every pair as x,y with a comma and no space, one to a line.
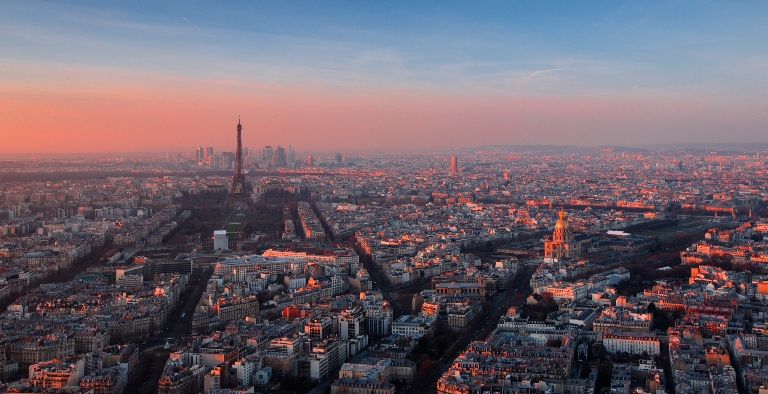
562,223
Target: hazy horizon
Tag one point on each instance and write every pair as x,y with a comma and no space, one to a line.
88,78
726,148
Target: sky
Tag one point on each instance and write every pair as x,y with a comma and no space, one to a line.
137,76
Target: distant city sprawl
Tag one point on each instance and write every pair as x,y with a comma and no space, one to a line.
501,270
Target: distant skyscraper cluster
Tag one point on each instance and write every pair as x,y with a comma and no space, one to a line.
202,154
205,157
267,157
277,157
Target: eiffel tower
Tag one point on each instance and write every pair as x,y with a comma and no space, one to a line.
239,197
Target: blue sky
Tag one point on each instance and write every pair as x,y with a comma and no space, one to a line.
595,45
703,52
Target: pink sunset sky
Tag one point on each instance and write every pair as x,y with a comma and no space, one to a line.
86,91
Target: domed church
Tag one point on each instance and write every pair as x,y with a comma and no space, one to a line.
560,246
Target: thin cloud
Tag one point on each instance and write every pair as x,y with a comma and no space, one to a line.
188,21
535,74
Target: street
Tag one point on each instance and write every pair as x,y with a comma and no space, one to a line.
176,326
483,326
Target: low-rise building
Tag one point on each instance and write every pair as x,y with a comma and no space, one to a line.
410,325
358,386
631,342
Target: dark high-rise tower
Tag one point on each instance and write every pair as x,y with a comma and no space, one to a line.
239,197
454,164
